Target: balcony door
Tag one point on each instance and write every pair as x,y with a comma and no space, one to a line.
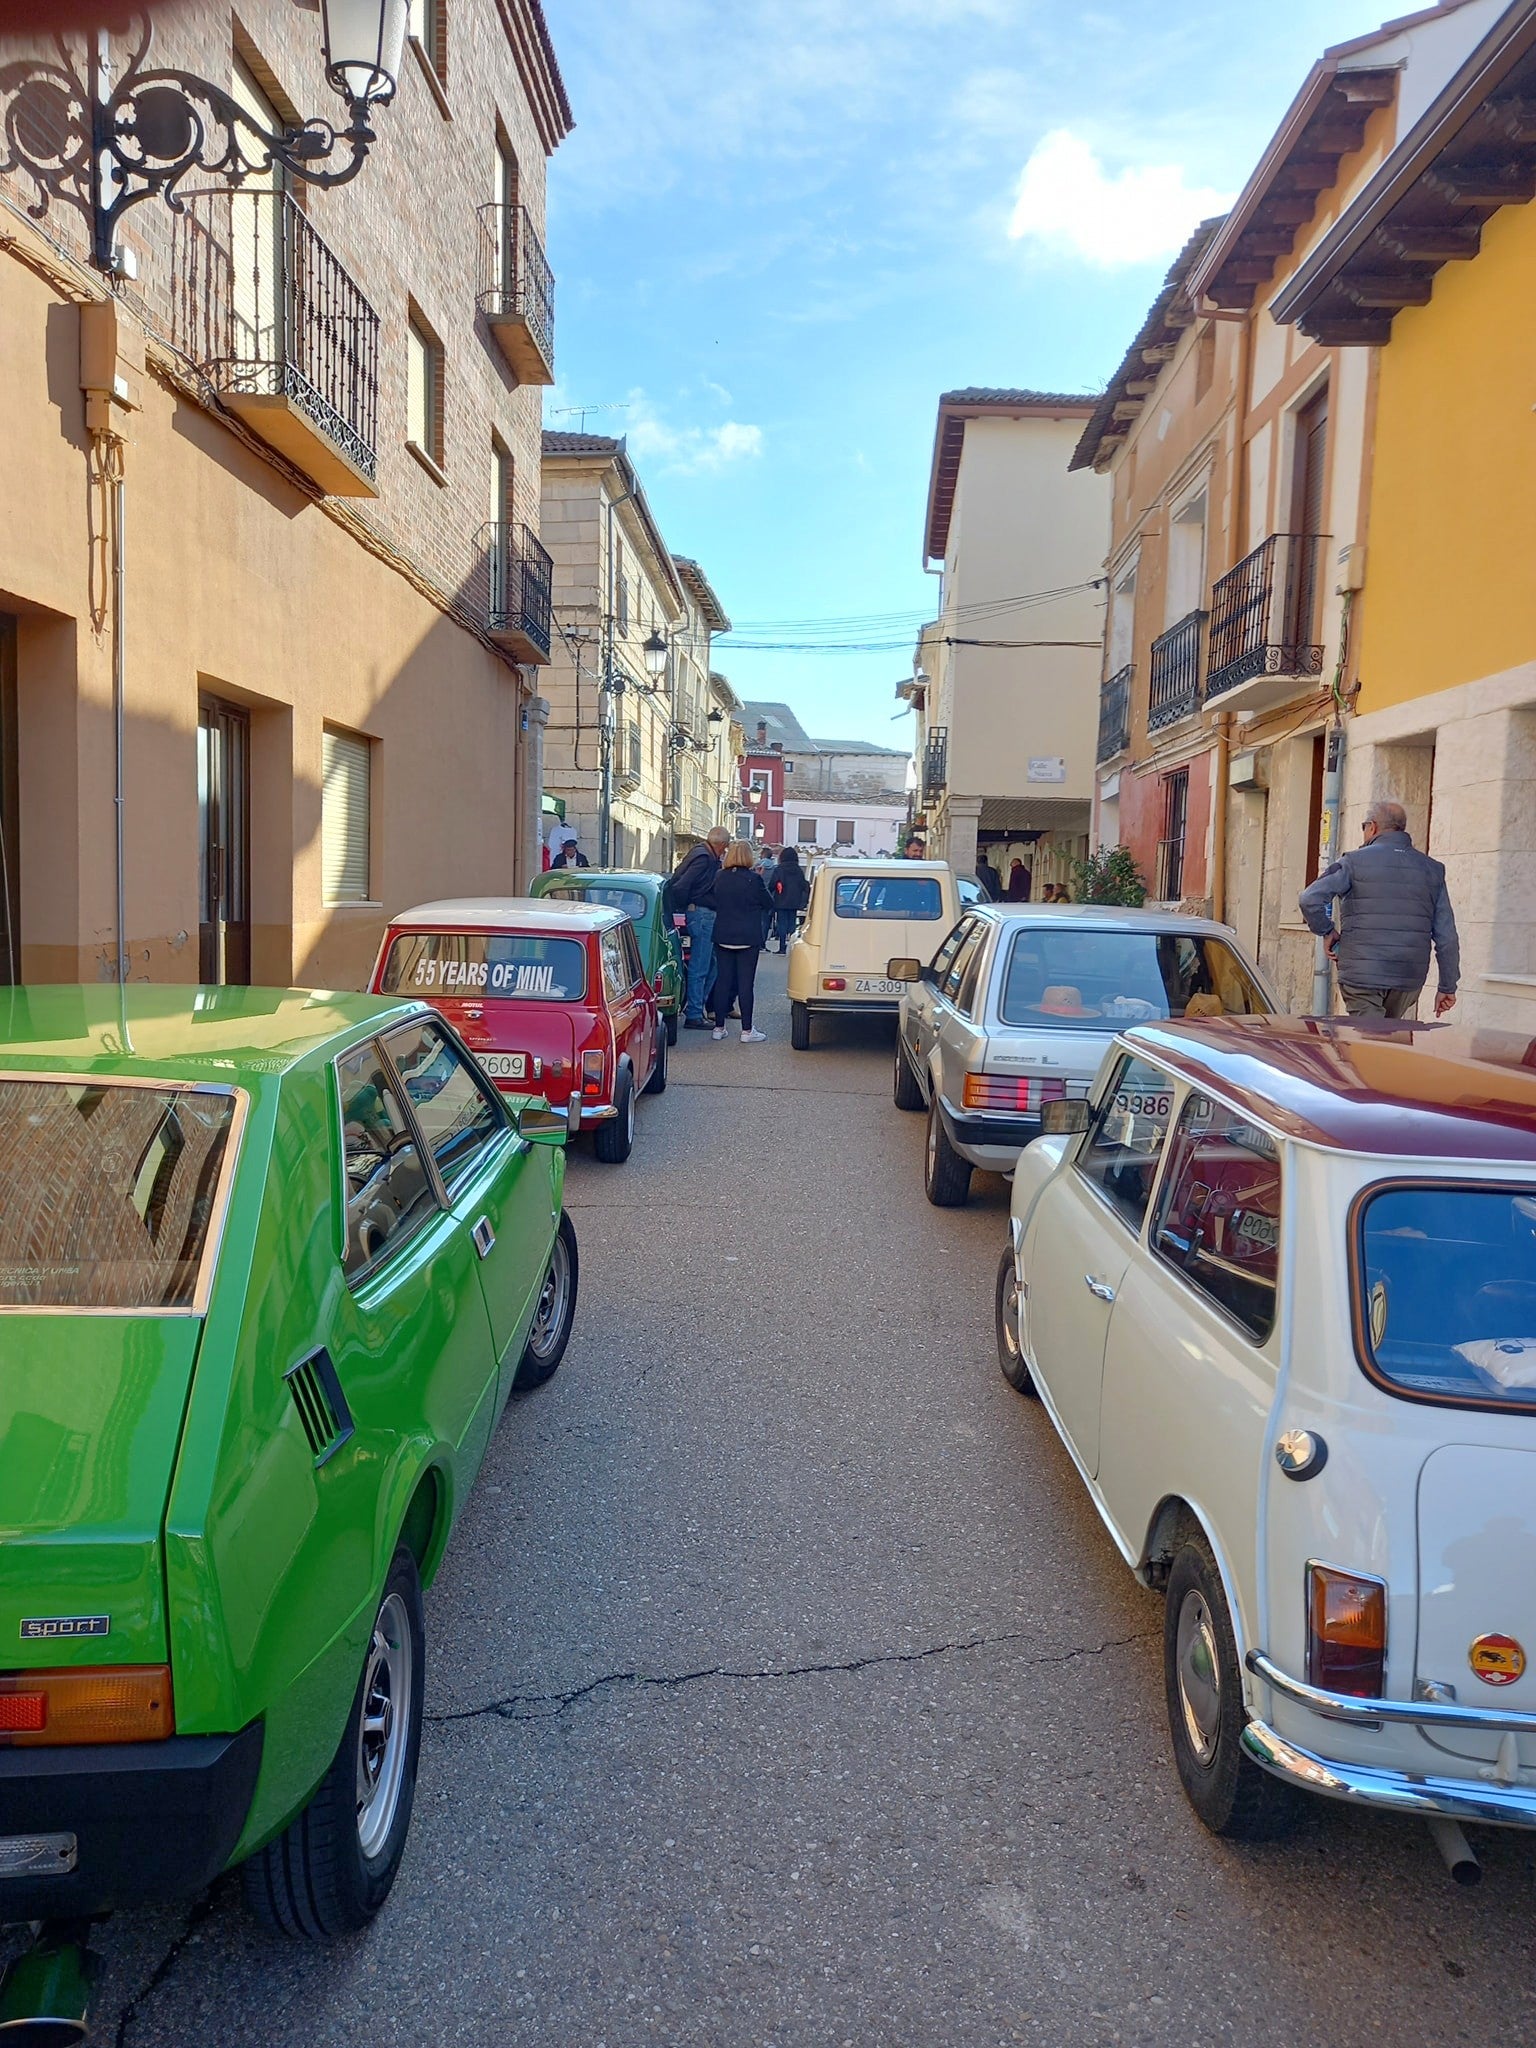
1308,505
224,840
258,294
506,195
10,786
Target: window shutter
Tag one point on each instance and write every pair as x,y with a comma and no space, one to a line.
344,818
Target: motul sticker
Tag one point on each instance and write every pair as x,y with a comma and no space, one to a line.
59,1626
1497,1660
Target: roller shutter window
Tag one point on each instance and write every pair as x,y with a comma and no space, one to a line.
345,817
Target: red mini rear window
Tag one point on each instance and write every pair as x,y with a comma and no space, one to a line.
525,966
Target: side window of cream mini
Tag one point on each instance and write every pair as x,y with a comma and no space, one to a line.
1218,1219
1120,1153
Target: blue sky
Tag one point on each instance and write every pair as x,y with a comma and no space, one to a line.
783,227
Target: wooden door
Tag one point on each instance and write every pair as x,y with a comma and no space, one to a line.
224,806
1308,506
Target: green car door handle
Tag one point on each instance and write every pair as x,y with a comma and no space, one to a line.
484,1237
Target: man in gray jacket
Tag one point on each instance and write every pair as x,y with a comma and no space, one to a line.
1393,904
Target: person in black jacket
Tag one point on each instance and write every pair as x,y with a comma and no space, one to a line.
741,902
790,892
690,895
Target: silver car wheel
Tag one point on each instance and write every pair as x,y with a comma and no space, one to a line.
1199,1673
383,1735
549,1316
1011,1336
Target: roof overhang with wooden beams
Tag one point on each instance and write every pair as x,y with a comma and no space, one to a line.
539,69
1142,366
1473,152
977,402
702,592
1326,123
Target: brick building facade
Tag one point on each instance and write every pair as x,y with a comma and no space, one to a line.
324,447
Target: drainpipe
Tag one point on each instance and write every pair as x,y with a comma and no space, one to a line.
1219,803
119,495
1333,785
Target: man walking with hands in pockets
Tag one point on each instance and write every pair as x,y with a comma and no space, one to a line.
1393,907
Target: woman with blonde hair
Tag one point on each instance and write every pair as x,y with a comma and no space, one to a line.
741,903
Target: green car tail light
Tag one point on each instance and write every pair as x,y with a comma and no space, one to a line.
108,1703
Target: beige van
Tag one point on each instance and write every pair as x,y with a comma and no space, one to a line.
862,913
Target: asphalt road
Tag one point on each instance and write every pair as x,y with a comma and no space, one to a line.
784,1688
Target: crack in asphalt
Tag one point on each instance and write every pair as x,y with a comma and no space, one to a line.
550,1706
198,1913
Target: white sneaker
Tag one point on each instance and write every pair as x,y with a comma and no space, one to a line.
754,1038
718,1032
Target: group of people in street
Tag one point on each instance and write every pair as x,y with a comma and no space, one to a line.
732,904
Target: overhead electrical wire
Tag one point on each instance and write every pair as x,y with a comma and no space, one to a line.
886,632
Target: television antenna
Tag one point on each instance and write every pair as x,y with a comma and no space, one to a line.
565,412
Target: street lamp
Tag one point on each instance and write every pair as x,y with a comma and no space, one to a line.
104,148
655,652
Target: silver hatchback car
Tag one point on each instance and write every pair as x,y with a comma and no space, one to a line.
1018,1004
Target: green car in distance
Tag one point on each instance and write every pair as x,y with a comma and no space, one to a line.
642,898
270,1265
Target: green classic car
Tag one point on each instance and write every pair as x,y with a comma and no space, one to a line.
642,898
270,1265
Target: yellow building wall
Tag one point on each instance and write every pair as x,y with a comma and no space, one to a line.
1450,583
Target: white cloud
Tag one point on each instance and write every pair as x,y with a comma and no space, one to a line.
1068,203
688,451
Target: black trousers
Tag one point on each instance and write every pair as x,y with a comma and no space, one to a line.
735,979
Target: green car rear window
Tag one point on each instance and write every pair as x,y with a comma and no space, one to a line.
521,964
633,902
110,1192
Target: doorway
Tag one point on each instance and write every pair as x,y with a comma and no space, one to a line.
224,841
10,786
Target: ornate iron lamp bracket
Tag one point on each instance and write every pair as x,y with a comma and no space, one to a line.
104,149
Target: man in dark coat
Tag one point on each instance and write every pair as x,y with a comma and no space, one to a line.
1394,907
691,896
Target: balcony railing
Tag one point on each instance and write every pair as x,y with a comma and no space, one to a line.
1115,713
935,763
283,333
1265,614
515,290
1174,672
512,581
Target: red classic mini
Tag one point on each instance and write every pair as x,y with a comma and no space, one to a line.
551,998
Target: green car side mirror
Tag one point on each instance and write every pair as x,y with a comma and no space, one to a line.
541,1126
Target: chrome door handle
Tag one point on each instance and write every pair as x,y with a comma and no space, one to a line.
1098,1288
484,1237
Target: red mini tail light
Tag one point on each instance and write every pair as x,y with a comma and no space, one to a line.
592,1064
1346,1632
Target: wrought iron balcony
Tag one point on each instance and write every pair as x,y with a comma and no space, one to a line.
935,763
1265,621
1173,673
1115,713
512,581
515,290
282,332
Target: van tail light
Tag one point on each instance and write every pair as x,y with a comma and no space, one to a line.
592,1065
835,982
111,1703
1346,1632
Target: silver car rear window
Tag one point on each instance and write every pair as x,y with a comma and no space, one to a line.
1065,979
